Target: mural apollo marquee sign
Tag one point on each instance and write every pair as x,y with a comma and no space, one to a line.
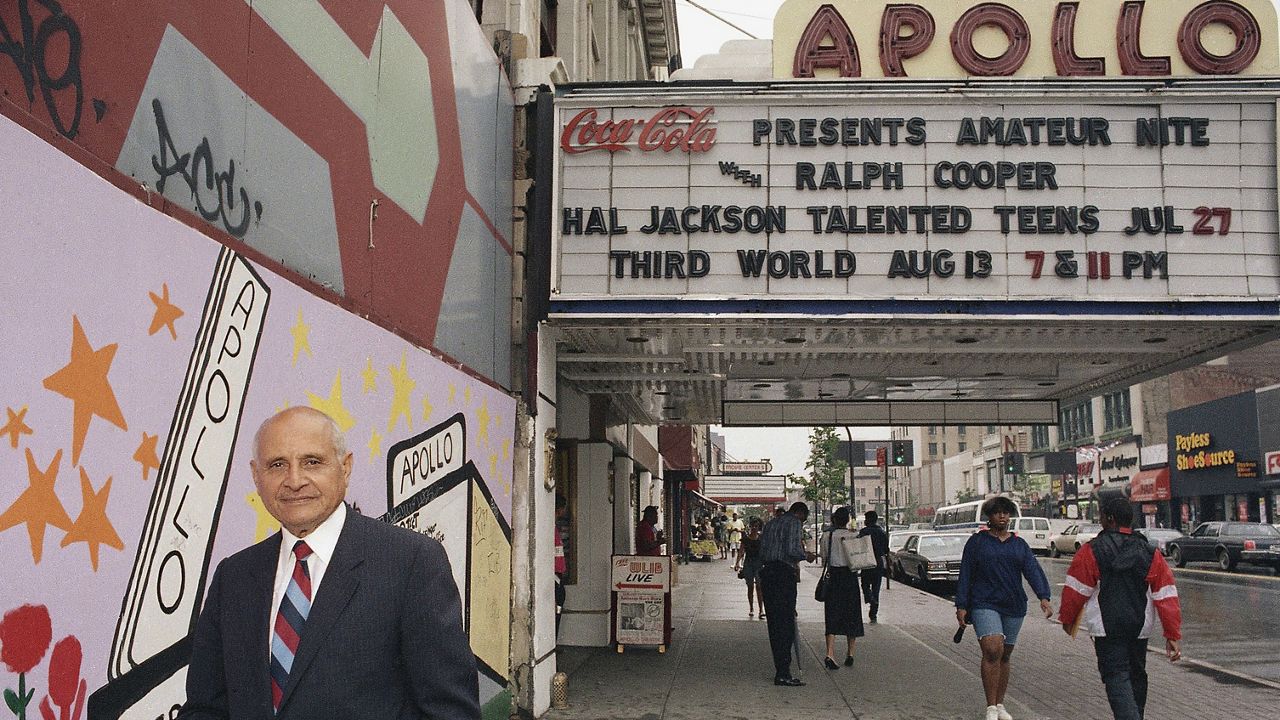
1039,190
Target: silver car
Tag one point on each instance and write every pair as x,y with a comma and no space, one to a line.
1070,540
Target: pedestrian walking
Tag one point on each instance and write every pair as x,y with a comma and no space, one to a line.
871,577
989,595
1115,586
842,602
782,549
748,566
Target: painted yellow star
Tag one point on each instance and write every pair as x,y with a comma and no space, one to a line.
375,445
427,409
332,405
370,376
403,385
453,394
84,381
15,426
466,394
506,448
93,527
493,465
301,338
482,421
282,406
264,525
38,506
166,312
146,454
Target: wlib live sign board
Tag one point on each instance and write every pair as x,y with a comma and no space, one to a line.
1139,191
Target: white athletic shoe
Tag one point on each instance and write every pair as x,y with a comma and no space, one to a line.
993,713
1002,713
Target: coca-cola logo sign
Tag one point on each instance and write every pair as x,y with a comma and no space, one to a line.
682,128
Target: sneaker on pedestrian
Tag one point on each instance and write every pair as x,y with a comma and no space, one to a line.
1002,713
993,713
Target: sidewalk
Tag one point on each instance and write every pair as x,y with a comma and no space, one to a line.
719,668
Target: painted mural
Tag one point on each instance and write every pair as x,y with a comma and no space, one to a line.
364,143
138,358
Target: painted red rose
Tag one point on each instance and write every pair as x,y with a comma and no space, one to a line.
25,633
64,671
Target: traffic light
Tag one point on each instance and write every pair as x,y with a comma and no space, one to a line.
900,450
1012,463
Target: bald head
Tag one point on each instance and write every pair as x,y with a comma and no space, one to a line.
306,414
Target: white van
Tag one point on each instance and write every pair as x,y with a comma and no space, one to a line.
1035,530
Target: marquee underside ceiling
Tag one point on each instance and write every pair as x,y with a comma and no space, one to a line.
883,370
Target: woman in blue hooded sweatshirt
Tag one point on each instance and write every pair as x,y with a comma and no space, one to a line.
990,596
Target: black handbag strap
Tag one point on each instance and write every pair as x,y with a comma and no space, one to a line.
826,566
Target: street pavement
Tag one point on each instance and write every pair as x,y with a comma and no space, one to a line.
718,667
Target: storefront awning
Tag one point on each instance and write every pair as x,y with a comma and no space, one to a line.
705,500
1150,485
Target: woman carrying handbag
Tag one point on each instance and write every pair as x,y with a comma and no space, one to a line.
841,596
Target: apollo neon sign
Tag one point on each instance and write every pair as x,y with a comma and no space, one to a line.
1082,39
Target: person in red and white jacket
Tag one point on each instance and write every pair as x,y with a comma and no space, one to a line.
1115,586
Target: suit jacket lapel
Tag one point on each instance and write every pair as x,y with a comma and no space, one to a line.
339,584
256,631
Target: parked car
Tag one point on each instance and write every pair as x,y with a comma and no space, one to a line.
1228,543
1158,538
1070,540
1035,530
897,541
932,558
920,526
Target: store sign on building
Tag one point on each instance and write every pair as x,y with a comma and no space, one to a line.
1273,463
1081,38
1118,464
1086,197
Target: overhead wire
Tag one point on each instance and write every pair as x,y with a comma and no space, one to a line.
713,14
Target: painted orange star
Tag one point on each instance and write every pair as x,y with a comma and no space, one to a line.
146,454
38,506
166,313
16,426
84,382
93,527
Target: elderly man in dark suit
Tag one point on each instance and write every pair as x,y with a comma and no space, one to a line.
338,615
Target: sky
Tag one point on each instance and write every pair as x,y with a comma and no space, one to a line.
701,34
787,448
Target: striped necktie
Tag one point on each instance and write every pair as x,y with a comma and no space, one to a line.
294,608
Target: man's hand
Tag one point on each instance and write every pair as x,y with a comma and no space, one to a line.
961,616
1046,607
1173,649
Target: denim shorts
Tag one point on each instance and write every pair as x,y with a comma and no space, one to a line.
990,622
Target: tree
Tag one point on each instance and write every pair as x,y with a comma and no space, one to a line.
967,494
826,480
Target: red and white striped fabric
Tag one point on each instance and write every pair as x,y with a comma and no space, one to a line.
1080,596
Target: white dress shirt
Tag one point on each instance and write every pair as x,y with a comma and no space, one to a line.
322,542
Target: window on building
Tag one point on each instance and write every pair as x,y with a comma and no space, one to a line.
991,429
960,446
1076,422
960,429
1039,437
944,449
547,47
933,449
1116,411
933,429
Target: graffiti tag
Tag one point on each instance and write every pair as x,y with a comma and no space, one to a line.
29,55
188,167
